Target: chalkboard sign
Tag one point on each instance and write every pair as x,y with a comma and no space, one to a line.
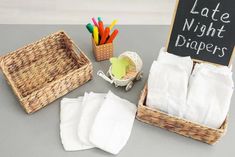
204,30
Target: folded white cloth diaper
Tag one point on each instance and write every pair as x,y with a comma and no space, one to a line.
210,92
168,83
69,118
113,124
185,63
90,106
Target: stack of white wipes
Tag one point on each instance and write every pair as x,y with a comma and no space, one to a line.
96,120
168,83
202,97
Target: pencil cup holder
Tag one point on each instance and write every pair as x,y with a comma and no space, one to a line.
102,52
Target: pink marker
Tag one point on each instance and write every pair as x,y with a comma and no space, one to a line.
95,23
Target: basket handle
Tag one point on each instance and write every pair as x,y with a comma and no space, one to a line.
101,74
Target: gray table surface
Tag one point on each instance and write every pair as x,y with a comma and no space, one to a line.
37,135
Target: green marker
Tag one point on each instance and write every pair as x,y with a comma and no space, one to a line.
99,19
90,27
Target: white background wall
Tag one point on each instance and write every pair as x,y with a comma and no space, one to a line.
80,11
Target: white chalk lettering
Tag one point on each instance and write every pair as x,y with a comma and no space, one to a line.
193,45
215,49
203,30
223,51
211,31
221,30
214,12
193,8
208,47
212,27
187,24
205,12
188,43
177,43
201,47
224,18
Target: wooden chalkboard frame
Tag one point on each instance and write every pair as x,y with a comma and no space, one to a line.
195,60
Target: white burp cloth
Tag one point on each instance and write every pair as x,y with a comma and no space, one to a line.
210,92
69,118
168,83
113,124
90,106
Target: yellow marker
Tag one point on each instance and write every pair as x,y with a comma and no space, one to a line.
112,24
95,35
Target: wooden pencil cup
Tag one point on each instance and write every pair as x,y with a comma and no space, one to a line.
102,52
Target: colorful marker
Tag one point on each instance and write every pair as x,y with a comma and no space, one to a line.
112,36
101,28
89,27
105,35
96,35
112,24
94,21
99,19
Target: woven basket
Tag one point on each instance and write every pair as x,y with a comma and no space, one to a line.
102,52
43,71
177,125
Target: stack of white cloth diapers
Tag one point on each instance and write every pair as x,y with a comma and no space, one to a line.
201,94
96,120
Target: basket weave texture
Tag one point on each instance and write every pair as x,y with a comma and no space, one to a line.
177,125
43,71
102,52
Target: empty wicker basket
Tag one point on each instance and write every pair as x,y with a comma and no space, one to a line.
177,125
45,70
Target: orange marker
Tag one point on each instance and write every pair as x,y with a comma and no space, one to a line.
112,36
101,28
105,35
